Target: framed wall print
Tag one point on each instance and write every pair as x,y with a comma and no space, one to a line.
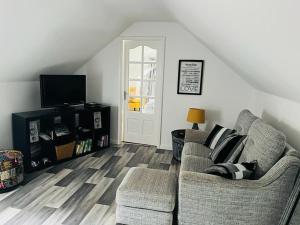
190,73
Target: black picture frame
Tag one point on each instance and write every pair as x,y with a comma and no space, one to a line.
196,73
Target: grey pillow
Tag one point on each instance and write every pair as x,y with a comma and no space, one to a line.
265,144
244,122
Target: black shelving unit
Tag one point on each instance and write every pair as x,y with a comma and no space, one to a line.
88,130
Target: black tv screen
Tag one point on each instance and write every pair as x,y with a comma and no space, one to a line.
60,90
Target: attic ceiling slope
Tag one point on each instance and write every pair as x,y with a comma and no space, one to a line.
59,36
259,39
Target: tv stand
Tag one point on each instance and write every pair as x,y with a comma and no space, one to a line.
50,136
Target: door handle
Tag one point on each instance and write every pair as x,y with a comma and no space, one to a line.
125,95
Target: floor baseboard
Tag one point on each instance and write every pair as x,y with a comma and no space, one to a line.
166,147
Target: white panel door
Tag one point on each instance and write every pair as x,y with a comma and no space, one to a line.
143,70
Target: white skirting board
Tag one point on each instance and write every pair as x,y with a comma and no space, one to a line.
114,142
165,147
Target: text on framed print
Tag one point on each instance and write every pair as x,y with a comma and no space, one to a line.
190,73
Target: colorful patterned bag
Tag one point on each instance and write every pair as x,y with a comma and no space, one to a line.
11,169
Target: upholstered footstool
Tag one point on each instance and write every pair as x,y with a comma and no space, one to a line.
146,197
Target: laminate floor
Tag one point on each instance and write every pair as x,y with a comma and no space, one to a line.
80,191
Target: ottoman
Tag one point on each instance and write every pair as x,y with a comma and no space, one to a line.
146,197
11,169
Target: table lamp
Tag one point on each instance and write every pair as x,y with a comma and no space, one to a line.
196,116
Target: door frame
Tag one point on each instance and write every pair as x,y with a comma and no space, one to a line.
122,103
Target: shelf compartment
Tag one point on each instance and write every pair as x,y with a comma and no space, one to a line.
65,151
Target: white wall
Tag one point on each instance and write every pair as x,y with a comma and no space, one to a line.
16,97
103,83
225,94
259,39
281,113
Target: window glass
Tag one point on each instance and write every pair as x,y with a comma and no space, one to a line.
135,54
150,54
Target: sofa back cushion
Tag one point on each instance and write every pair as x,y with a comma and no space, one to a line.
244,122
265,144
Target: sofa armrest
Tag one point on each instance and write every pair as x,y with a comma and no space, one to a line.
216,200
196,136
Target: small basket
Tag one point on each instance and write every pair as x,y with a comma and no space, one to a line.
177,143
65,151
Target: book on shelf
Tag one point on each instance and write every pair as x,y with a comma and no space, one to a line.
103,141
84,146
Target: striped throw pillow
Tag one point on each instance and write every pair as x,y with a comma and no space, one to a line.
216,136
229,149
243,170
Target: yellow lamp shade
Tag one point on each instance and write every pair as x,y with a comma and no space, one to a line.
196,115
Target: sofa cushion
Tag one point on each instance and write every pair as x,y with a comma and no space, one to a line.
229,150
216,136
195,164
244,122
265,144
195,149
238,171
149,189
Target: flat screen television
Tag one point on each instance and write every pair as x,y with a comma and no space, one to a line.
62,90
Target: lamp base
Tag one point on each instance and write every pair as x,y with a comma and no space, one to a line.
195,126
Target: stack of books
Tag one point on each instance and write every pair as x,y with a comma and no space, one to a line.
84,146
103,141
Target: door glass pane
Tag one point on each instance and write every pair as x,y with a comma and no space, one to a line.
148,105
135,54
150,71
150,54
135,71
149,89
134,88
134,104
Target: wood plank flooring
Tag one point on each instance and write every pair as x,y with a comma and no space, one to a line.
80,191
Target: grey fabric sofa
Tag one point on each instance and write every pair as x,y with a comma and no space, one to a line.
209,199
295,218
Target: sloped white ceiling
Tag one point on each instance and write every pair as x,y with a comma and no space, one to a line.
58,36
260,39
